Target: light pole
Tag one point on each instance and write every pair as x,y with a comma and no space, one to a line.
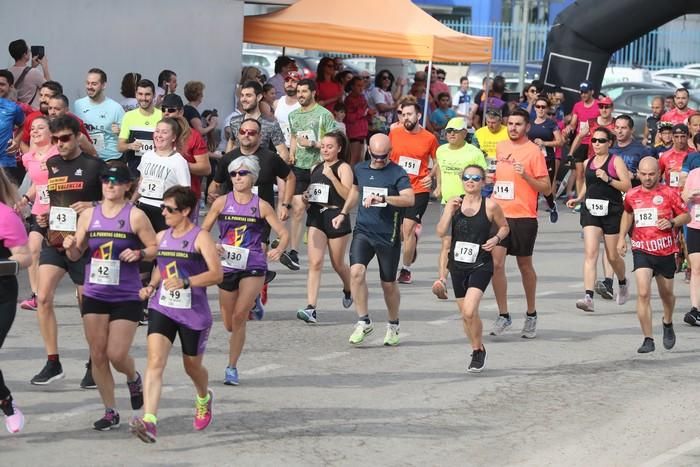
523,44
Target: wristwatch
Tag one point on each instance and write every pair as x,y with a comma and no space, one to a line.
287,205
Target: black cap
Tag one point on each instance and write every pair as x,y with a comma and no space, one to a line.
664,126
172,100
680,129
585,86
120,173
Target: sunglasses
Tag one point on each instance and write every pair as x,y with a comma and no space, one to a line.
380,157
247,132
452,130
385,77
532,90
551,113
475,178
540,106
604,106
441,78
170,209
366,78
599,140
682,135
62,138
114,180
170,110
241,172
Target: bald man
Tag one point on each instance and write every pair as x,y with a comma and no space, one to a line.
383,189
656,211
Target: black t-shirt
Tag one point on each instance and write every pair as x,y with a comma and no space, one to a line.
271,167
190,113
545,132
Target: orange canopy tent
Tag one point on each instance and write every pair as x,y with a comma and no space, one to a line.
384,28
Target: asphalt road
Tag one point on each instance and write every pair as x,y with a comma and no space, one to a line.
578,394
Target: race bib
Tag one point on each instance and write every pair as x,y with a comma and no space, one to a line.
696,213
504,190
178,298
98,140
491,164
597,207
152,188
410,164
62,219
318,193
465,252
645,217
287,132
146,145
43,194
104,271
235,257
674,179
308,133
370,190
582,127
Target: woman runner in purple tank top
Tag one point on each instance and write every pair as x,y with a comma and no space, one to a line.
118,236
243,220
187,263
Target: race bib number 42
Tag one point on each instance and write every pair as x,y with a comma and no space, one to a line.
466,252
62,219
410,164
369,190
504,190
104,271
645,217
178,298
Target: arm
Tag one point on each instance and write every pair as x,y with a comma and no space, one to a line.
558,140
142,227
203,130
292,149
350,203
269,215
86,145
201,165
342,185
283,152
576,143
498,218
76,244
214,275
625,224
22,255
405,199
216,207
443,226
624,183
438,181
539,184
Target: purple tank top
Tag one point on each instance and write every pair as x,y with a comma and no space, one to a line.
177,257
107,278
241,227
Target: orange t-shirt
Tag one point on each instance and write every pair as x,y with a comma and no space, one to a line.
413,152
515,196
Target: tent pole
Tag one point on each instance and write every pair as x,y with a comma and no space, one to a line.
427,94
486,91
284,50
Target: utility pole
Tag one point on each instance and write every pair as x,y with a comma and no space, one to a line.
523,44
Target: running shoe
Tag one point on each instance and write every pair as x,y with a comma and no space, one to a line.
347,299
602,289
554,214
29,304
577,208
231,376
692,317
440,289
362,329
145,431
14,418
500,325
136,392
647,346
87,382
269,276
144,318
478,362
392,335
307,314
291,260
623,294
202,413
405,276
669,336
529,328
51,372
108,421
585,303
258,311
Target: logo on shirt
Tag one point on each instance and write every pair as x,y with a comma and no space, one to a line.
253,210
103,116
96,223
185,243
658,199
371,177
78,173
121,223
54,170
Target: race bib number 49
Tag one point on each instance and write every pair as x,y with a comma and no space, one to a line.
178,298
645,217
504,190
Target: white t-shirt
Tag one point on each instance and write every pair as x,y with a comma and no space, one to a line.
461,102
380,96
158,173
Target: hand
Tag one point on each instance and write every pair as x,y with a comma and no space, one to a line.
519,168
437,192
571,204
213,120
42,220
328,172
282,213
173,283
370,200
115,128
81,206
135,146
539,142
664,224
490,243
305,196
211,197
427,182
292,160
130,256
371,112
68,242
454,204
304,142
600,173
401,81
145,293
12,146
338,221
622,247
274,255
220,250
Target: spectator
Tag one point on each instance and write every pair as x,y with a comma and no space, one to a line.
128,91
344,77
652,122
194,93
436,87
383,100
11,117
338,64
268,100
283,65
357,116
28,77
441,75
669,104
530,95
328,89
167,84
441,115
462,99
339,115
493,99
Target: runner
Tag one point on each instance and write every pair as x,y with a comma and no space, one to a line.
244,220
627,147
113,233
691,195
187,264
583,111
331,183
73,187
136,129
286,104
487,138
451,159
521,173
14,254
413,148
681,112
671,161
606,178
467,223
386,190
655,211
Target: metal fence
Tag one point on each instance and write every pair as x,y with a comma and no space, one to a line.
661,48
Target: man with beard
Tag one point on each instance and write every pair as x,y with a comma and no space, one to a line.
631,150
287,103
652,123
681,112
412,148
101,114
138,125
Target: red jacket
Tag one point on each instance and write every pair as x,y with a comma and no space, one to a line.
356,118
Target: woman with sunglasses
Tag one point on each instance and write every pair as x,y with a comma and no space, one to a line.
187,263
545,133
37,197
161,169
117,237
331,182
383,98
468,221
244,220
328,89
606,178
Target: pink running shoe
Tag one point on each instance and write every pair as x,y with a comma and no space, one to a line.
15,422
202,413
145,431
29,304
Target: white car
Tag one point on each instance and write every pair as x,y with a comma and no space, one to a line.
688,77
692,66
621,74
261,58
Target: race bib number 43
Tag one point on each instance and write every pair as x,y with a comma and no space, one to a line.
369,190
504,190
62,219
645,217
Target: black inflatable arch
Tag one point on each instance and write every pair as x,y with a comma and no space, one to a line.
587,33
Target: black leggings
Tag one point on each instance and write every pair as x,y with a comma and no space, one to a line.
551,165
8,309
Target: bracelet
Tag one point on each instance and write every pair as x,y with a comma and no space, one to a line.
499,238
287,205
27,198
185,283
343,214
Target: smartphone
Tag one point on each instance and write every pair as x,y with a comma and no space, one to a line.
8,268
38,51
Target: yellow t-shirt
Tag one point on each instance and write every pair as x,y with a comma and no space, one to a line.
452,163
139,127
488,141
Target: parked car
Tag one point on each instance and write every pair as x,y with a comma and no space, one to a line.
306,65
369,64
617,74
477,71
613,90
689,78
261,58
692,66
637,104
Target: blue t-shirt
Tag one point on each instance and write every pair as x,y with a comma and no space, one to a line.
632,154
98,119
544,131
11,115
381,224
691,162
440,118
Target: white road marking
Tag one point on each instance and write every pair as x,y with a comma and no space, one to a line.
438,322
329,356
547,293
55,417
262,369
673,453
